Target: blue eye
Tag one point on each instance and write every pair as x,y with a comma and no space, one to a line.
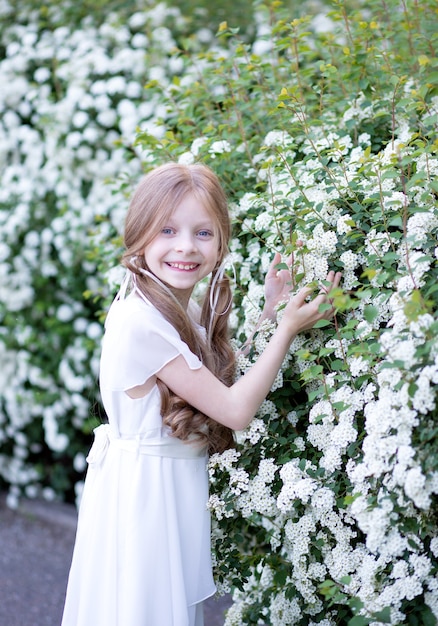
167,230
205,233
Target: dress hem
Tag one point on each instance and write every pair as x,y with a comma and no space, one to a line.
204,598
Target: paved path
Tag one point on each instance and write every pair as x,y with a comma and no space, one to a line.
36,544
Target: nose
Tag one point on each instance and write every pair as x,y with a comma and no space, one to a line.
185,242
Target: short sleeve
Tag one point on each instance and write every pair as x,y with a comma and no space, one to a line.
138,342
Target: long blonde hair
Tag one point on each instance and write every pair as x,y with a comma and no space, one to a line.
154,200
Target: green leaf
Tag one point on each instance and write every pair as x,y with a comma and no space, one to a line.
383,616
359,620
322,323
280,576
397,221
392,365
370,313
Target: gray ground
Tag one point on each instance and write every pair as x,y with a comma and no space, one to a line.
36,543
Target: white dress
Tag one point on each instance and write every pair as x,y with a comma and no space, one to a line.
142,551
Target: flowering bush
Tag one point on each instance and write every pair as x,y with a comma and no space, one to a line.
323,131
70,103
326,141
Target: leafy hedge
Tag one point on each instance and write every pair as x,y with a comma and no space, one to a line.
323,131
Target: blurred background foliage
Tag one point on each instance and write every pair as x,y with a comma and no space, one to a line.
202,14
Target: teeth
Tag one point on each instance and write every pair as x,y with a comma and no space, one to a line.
183,266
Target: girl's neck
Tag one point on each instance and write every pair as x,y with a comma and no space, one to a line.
182,297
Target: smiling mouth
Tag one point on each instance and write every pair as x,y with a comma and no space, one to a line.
184,266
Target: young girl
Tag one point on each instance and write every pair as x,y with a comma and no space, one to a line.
142,552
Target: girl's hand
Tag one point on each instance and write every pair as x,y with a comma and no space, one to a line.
278,284
304,314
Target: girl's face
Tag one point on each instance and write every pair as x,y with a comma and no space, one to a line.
186,249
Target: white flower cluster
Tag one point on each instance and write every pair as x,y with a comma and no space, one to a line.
258,497
296,485
284,612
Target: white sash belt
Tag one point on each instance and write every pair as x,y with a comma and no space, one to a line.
166,447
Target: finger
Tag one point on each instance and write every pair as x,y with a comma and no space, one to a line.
302,294
330,313
332,281
326,284
272,271
335,278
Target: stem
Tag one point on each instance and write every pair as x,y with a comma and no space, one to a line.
277,226
297,61
405,221
347,25
409,29
393,118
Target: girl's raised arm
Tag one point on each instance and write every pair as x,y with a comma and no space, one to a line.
235,406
